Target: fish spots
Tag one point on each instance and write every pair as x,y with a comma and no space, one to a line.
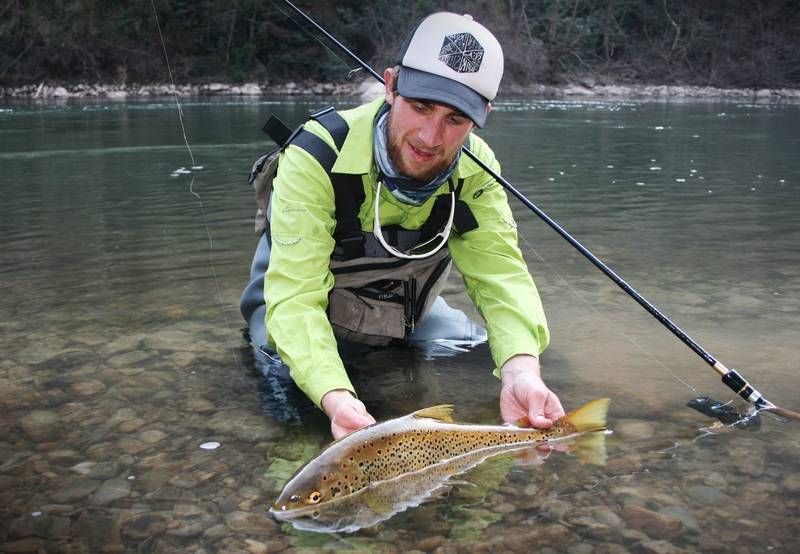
380,458
385,458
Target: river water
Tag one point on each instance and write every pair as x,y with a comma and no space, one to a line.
122,259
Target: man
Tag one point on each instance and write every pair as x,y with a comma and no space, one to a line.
400,157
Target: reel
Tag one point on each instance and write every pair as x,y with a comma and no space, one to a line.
726,413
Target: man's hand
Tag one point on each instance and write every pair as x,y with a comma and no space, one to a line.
525,396
346,412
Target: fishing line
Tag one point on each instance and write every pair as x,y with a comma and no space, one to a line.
191,183
614,325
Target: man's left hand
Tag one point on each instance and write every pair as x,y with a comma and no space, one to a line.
525,396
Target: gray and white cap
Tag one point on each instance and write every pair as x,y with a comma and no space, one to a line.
452,59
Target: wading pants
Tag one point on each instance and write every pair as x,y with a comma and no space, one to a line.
441,333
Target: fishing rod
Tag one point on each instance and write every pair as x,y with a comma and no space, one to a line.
730,377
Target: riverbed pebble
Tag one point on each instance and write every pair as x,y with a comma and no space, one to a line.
708,496
791,482
250,523
142,526
40,425
653,523
111,490
107,474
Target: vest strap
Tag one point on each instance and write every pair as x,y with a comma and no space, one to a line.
333,123
348,190
318,148
463,220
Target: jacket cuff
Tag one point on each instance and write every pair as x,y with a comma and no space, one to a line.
510,347
324,380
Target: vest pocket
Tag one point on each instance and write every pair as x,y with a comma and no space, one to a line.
367,315
377,300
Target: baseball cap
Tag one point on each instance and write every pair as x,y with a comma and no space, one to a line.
452,59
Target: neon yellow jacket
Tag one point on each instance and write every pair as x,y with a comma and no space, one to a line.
302,221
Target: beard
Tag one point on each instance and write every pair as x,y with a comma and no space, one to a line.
413,171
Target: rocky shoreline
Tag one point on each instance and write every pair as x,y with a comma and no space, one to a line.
48,91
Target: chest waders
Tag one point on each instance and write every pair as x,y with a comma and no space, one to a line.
376,297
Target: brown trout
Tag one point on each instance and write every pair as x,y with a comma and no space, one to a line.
380,470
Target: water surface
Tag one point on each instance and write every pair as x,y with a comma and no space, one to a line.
122,260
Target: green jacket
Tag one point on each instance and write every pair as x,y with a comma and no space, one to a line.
302,221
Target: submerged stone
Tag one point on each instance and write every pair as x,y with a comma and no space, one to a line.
652,523
111,490
681,513
792,482
152,436
250,523
30,544
706,495
104,470
75,491
40,425
144,526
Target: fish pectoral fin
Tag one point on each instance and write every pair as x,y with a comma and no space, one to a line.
443,412
590,448
461,482
377,503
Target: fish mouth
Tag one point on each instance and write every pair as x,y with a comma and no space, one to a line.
286,514
283,514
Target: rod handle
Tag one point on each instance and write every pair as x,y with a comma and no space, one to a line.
783,412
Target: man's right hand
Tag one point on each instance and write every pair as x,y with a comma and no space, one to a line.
347,413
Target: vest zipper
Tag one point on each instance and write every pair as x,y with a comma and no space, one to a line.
362,293
410,293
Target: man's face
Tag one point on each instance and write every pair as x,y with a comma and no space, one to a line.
424,136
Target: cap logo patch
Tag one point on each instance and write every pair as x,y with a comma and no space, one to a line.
462,53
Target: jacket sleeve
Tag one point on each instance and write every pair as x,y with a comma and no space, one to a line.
298,279
495,273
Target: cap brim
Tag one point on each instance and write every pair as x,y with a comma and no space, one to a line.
422,85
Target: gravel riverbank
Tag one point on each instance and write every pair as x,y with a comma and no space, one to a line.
587,89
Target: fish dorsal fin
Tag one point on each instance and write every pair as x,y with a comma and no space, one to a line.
442,412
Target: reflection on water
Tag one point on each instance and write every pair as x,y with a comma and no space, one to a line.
122,350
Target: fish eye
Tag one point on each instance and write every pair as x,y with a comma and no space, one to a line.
314,497
294,498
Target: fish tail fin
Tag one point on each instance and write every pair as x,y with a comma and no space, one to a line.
590,448
589,417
